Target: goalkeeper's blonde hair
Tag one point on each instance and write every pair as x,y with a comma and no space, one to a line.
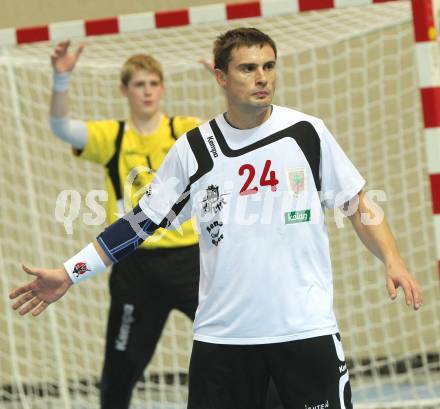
140,62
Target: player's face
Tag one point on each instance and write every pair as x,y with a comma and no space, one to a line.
250,80
143,92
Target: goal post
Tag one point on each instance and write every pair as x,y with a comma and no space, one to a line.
351,62
425,22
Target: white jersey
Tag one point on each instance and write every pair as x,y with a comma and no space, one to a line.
258,196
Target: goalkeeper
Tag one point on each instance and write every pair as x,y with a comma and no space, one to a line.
163,274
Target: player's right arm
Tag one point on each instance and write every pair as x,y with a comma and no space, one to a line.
48,286
69,130
165,204
115,242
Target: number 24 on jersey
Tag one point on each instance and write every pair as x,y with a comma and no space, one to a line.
267,178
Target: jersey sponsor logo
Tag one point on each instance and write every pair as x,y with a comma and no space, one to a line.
297,216
213,201
80,269
324,405
296,179
342,368
214,230
213,149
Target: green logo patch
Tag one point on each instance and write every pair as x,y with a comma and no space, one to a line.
297,216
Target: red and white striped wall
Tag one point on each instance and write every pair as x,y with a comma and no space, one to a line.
213,13
428,60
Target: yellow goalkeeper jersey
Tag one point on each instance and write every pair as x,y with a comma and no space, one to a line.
127,155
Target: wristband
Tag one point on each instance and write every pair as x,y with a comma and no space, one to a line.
61,81
85,264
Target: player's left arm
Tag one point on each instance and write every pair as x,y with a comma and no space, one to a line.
378,238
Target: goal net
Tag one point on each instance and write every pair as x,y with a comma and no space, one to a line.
353,67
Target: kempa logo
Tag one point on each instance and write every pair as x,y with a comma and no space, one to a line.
342,368
297,216
124,330
211,144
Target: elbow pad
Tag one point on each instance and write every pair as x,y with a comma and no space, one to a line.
126,234
69,130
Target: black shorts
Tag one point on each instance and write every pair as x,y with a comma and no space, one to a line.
168,276
308,374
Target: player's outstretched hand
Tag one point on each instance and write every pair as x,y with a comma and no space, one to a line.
48,287
398,276
62,60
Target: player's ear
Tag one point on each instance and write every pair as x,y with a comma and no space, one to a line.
123,89
220,77
162,85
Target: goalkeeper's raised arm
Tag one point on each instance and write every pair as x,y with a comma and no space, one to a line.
69,130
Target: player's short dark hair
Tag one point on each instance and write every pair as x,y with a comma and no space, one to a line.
232,39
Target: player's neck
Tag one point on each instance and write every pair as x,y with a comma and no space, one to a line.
146,125
247,119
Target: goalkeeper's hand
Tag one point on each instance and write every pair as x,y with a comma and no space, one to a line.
62,60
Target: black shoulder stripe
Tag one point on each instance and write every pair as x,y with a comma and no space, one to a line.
113,163
302,132
308,140
204,165
176,209
173,131
201,153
